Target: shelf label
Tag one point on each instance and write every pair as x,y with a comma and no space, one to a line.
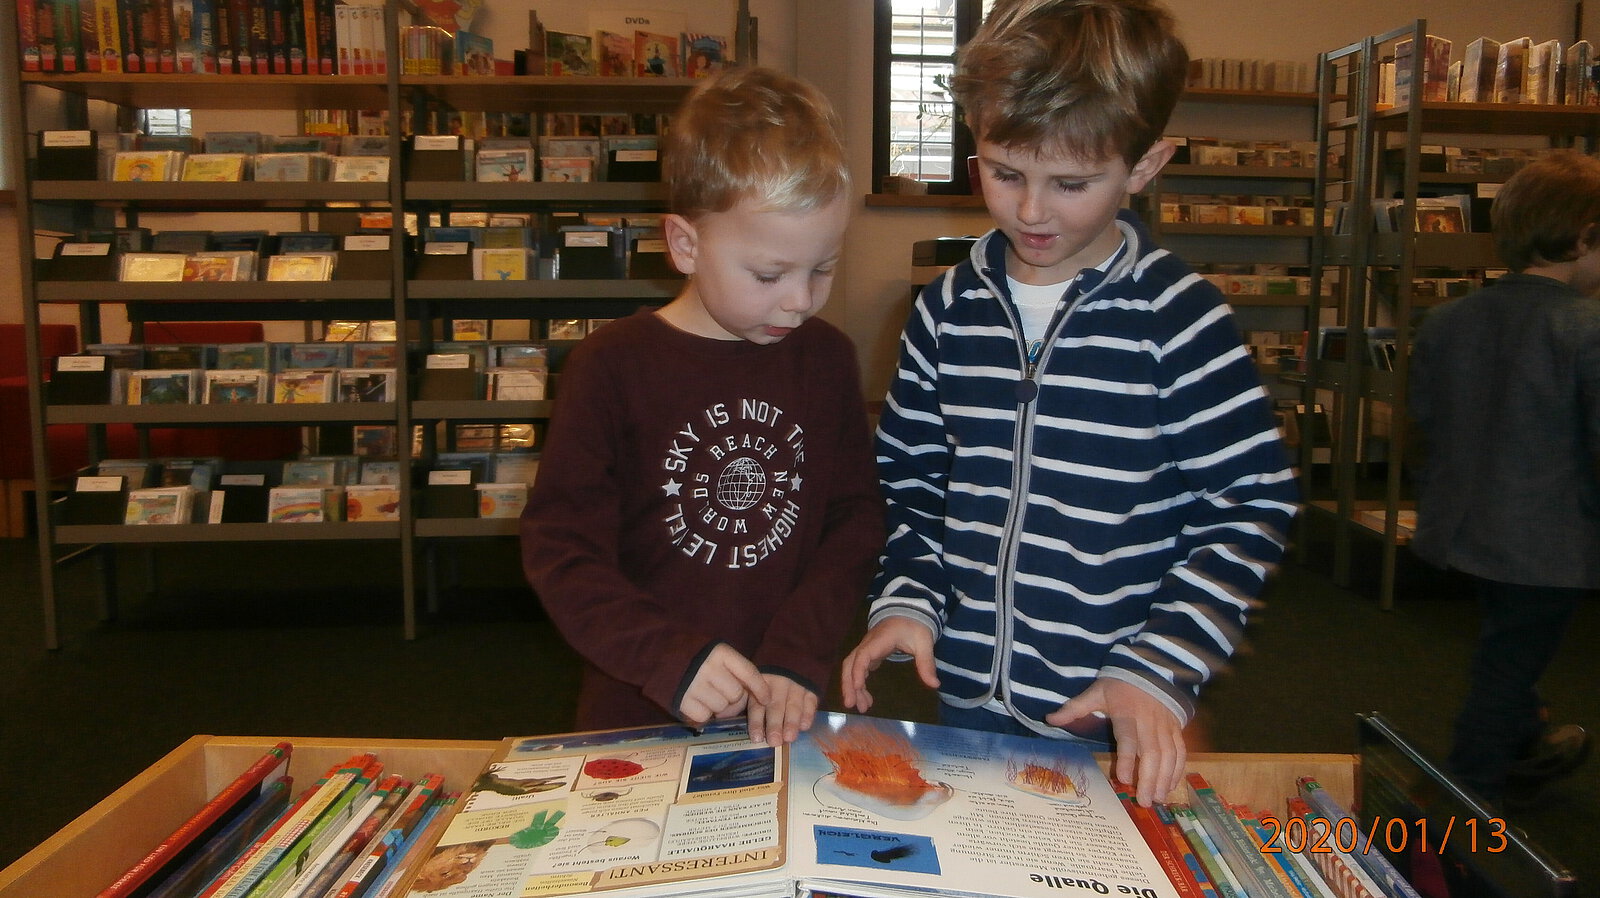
67,139
449,248
85,249
601,239
449,360
637,155
105,484
81,363
1489,190
437,142
367,242
242,480
450,478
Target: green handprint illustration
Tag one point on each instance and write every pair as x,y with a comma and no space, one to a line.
541,830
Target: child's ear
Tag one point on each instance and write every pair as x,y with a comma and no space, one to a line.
682,241
1149,164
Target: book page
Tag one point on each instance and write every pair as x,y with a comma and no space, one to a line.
911,806
656,807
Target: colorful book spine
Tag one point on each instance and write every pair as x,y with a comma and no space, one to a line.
219,851
295,13
1227,885
185,52
67,45
1276,856
28,35
110,28
327,41
347,847
205,36
1160,842
1376,864
428,831
212,817
258,39
167,38
316,836
89,36
1243,859
1180,843
249,867
1341,872
45,25
386,847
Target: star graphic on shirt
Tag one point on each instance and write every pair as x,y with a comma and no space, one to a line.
794,483
672,488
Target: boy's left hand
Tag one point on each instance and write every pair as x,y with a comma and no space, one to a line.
1148,738
791,709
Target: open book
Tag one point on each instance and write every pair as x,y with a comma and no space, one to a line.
859,806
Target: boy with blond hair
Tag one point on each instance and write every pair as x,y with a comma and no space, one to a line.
1086,488
706,517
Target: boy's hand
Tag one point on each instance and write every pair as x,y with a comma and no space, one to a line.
722,687
1149,739
792,709
892,634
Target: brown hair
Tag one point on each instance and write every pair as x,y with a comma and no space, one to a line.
754,133
1092,78
1546,209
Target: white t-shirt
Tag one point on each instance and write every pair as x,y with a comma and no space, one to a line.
1037,304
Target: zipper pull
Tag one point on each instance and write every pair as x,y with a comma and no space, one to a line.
1028,388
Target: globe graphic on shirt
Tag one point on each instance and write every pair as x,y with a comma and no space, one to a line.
741,484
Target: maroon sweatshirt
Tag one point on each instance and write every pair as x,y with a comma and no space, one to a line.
695,491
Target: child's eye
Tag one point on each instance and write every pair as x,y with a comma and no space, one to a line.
1003,175
767,278
1072,186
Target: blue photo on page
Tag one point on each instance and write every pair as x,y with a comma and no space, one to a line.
876,849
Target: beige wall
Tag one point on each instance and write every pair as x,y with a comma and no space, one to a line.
830,42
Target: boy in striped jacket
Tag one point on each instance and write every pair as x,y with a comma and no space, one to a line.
1086,488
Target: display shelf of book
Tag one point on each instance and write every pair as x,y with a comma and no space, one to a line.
545,93
219,413
127,534
1458,251
189,194
542,192
459,528
1249,97
211,291
1261,172
93,850
642,290
480,409
1236,230
1495,118
1266,300
170,91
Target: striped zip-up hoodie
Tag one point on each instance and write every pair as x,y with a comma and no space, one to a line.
1110,510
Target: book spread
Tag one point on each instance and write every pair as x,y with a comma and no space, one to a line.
859,806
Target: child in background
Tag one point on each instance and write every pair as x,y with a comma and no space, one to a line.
706,518
1505,393
1086,487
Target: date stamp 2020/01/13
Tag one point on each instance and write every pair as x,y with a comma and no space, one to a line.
1320,835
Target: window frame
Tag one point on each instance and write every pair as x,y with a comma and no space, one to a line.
968,15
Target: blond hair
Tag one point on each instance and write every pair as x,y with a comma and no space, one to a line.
1095,79
754,133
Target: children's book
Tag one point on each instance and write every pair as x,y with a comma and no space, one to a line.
858,806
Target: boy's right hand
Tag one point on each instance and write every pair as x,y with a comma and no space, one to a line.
725,683
890,635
